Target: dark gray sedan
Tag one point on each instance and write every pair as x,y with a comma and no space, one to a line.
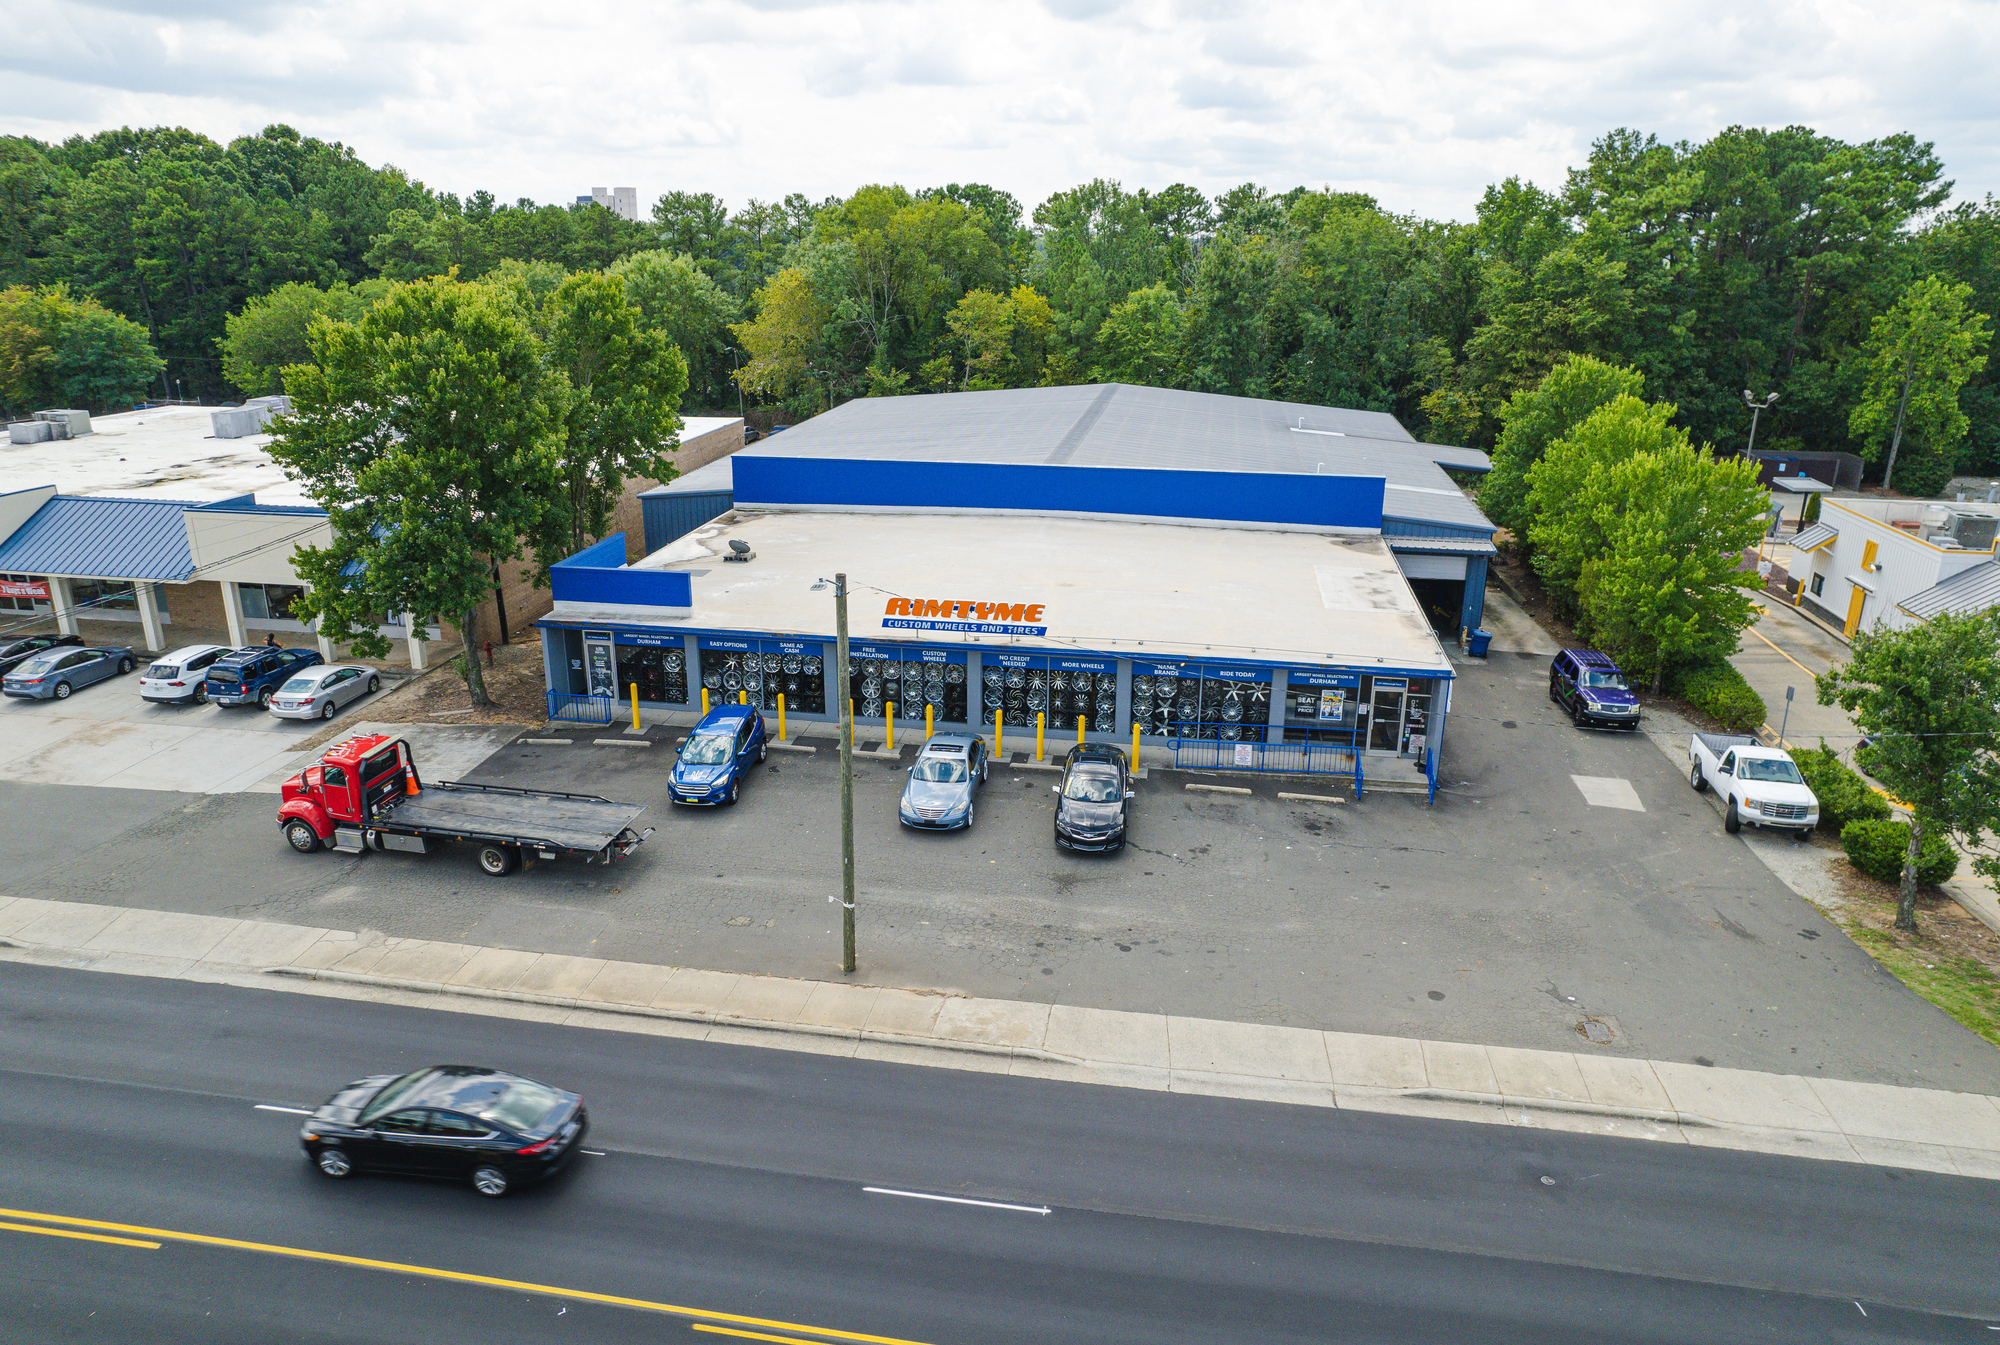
938,796
52,675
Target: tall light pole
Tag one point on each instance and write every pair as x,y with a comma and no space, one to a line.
1755,408
740,415
841,689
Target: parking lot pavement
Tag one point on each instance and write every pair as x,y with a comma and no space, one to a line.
1514,913
106,735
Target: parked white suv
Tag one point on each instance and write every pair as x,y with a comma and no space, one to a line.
181,675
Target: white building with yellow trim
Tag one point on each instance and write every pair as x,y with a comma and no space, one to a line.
1871,563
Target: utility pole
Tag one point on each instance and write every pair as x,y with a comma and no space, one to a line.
842,689
1755,408
1896,439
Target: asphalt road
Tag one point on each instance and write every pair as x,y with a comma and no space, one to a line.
1506,914
731,1184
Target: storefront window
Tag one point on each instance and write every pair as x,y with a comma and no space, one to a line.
908,678
269,602
23,592
1320,706
1397,712
1060,686
763,670
656,664
109,595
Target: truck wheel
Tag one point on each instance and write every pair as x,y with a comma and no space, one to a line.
1576,714
498,860
1731,823
302,837
1697,779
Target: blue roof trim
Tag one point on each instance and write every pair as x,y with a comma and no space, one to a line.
95,537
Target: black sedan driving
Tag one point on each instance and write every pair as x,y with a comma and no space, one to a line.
494,1129
1090,801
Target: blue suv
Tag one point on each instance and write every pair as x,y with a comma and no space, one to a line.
1588,685
717,753
250,675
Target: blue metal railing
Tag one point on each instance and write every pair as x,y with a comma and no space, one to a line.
1431,770
1193,750
582,709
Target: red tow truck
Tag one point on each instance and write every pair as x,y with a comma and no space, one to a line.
364,794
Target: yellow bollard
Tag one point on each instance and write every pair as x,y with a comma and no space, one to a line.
927,721
892,724
850,721
704,702
781,716
742,698
996,731
1135,745
635,707
1079,730
1041,721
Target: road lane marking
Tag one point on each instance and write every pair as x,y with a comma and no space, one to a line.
289,1111
957,1200
594,1153
1781,653
1608,791
456,1276
750,1335
81,1237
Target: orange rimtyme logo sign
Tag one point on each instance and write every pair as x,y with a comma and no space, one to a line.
950,609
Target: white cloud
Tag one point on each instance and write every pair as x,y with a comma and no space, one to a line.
1422,104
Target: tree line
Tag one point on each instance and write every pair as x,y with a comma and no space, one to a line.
1760,259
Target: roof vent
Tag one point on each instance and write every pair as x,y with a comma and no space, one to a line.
739,551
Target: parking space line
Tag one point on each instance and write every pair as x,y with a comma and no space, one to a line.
957,1200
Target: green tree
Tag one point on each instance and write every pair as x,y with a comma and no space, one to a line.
1570,504
1928,697
1004,339
1139,341
273,330
677,299
620,386
1919,355
425,430
1534,418
58,350
1667,590
787,340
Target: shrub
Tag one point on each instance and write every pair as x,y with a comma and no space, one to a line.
1877,848
1719,690
1843,796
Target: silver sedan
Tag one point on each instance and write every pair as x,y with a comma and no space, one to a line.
318,693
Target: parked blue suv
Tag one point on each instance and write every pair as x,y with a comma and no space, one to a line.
718,752
1589,686
250,675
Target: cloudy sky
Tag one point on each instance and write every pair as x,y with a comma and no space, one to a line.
1418,101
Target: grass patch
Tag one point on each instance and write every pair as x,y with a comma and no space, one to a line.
1962,986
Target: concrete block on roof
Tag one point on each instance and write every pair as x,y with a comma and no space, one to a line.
30,432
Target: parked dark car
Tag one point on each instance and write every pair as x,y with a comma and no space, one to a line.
751,436
53,673
947,773
1589,686
13,655
494,1129
250,676
717,754
1090,801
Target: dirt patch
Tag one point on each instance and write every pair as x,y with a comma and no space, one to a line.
1953,960
438,696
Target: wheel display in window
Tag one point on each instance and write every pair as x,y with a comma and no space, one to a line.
954,674
993,677
791,665
675,661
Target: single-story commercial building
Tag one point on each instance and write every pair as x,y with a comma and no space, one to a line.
1894,563
1239,617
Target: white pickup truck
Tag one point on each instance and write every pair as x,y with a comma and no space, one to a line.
1759,785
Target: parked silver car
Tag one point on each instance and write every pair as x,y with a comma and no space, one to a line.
938,796
319,692
56,673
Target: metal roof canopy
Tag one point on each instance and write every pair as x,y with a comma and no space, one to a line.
1968,591
1814,536
1800,485
1123,425
87,537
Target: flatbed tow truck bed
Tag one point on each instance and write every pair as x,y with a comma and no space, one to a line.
527,817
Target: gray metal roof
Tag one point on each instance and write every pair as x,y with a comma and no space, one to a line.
95,537
1455,546
1799,485
1122,425
718,477
1813,536
1968,591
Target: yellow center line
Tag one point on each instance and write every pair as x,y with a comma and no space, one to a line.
456,1276
81,1237
1781,653
750,1335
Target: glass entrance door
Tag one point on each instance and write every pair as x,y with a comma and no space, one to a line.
1385,714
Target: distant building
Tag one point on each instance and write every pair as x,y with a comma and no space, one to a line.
620,201
1897,563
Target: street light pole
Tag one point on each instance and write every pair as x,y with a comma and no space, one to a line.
1755,408
842,689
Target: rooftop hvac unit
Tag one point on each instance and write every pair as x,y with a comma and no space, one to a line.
75,422
1975,532
30,432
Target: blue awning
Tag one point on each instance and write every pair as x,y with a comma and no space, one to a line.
93,537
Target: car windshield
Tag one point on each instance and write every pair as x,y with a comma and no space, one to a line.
40,663
940,769
18,647
300,684
708,749
1613,681
1780,772
163,671
521,1106
1091,786
394,1093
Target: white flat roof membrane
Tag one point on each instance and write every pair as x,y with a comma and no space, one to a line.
1136,590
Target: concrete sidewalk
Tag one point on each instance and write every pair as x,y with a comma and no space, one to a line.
1666,1101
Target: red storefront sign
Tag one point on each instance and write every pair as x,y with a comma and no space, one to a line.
24,588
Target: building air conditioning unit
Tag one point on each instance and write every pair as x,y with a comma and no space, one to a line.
75,423
1975,532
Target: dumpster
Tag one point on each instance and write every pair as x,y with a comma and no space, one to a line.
1475,643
